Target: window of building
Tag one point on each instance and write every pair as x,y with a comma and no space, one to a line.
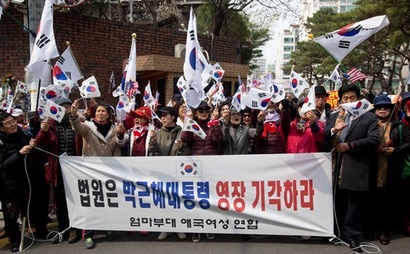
286,56
347,8
288,40
288,48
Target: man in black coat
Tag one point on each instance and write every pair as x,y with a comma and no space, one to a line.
354,145
15,145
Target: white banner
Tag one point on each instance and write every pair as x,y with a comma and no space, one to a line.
277,194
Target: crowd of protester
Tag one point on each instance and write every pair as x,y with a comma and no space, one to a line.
371,196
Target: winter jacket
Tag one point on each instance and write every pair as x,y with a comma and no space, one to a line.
94,143
164,143
355,164
12,167
236,139
207,146
50,141
305,141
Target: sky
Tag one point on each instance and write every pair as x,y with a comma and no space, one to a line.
269,49
283,22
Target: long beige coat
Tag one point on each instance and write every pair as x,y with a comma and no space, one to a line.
94,144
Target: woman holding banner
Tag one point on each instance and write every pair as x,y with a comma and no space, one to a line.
206,146
167,142
99,139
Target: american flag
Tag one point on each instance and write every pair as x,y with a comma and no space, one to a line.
133,89
355,75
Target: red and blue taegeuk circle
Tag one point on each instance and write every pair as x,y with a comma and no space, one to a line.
188,168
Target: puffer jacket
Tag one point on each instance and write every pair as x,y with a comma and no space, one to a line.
207,146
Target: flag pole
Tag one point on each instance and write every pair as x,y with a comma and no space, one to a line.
38,95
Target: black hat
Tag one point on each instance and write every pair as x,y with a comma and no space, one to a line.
203,104
169,110
177,97
319,90
382,100
405,97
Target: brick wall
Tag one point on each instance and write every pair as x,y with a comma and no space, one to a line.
100,46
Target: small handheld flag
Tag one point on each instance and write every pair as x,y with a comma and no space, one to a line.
357,108
89,88
54,111
192,126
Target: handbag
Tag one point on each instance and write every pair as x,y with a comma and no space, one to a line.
406,159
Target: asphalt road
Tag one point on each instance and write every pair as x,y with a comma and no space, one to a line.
134,243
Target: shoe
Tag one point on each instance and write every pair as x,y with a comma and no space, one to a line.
15,247
210,236
110,236
89,243
144,233
181,236
246,238
355,246
42,234
384,239
306,237
74,236
162,236
196,237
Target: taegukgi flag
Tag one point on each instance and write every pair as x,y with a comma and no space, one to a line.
297,84
45,46
340,42
335,77
357,108
89,88
310,101
148,98
67,64
193,126
257,99
278,93
54,111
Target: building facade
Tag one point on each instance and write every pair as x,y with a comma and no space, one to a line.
101,46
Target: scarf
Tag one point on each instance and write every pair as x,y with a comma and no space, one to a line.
382,160
103,128
269,127
139,131
334,142
340,119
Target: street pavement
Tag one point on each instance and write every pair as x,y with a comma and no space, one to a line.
134,243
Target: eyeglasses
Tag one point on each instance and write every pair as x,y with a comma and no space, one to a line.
10,122
381,107
246,115
202,110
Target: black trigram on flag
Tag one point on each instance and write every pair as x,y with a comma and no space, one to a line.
61,60
42,41
254,104
328,36
192,35
261,95
344,44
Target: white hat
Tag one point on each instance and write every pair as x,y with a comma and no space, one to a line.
16,112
